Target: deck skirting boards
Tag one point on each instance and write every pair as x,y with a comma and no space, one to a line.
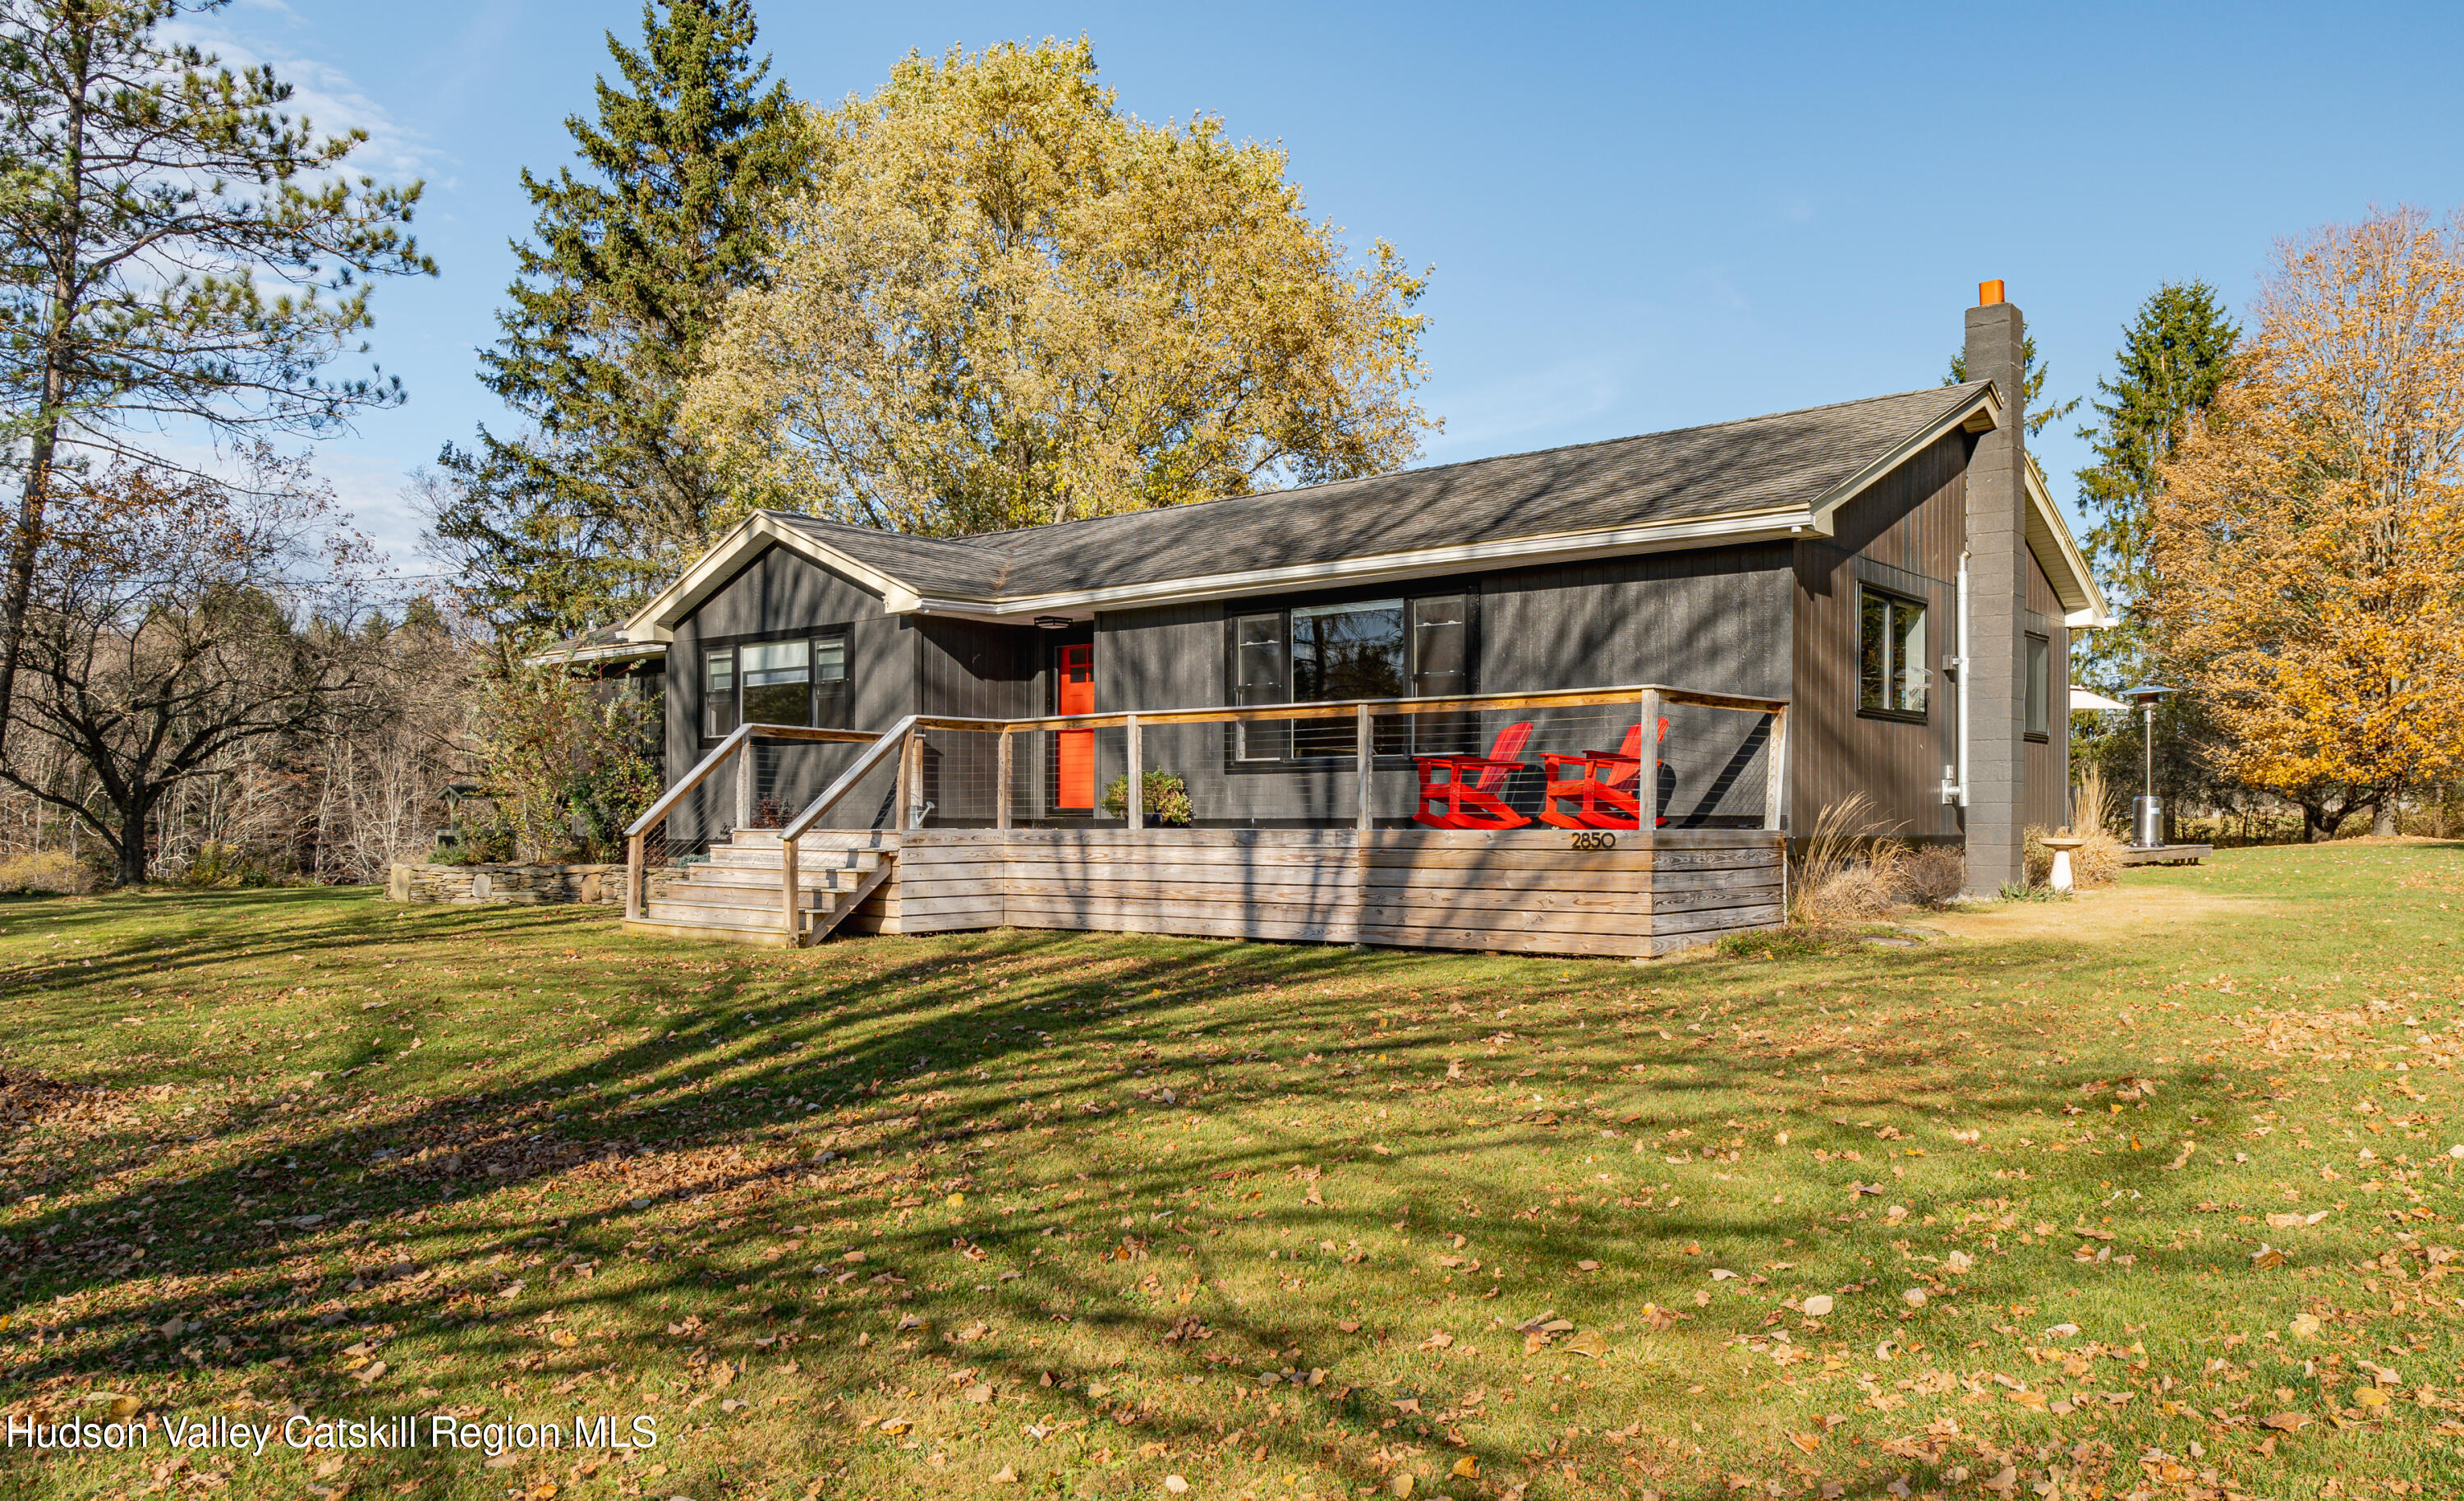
1520,890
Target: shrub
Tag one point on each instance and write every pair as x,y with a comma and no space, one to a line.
223,866
1166,799
2092,800
1934,875
50,871
1847,874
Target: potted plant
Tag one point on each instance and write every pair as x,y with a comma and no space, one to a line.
1166,799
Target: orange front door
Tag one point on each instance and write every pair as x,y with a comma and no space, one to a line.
1075,674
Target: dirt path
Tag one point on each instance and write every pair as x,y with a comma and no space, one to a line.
2117,912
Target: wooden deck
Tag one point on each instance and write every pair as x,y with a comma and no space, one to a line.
1523,891
2168,854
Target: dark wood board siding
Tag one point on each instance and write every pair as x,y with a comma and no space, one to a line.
1713,619
978,671
779,590
2046,794
1910,524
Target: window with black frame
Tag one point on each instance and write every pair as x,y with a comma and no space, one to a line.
2040,687
1363,649
803,681
1892,677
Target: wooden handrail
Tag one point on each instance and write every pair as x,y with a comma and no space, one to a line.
1344,707
890,741
1331,709
718,755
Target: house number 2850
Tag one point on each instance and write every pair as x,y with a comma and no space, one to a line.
1594,839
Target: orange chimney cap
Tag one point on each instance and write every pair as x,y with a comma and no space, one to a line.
1989,292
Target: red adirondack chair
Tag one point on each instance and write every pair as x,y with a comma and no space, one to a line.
1606,785
1465,787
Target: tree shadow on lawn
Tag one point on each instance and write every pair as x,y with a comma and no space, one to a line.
877,1025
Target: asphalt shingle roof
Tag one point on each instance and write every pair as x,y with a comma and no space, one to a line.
1759,463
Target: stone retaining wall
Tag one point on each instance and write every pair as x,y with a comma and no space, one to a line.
531,885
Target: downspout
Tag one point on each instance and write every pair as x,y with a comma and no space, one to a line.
1955,790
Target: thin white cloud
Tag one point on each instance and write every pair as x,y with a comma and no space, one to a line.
325,94
1489,417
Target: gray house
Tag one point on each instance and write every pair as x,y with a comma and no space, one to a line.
1892,567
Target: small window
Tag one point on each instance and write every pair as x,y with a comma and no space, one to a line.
2040,687
719,694
1892,677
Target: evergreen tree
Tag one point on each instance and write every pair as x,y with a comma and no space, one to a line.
180,252
2041,412
633,260
2174,354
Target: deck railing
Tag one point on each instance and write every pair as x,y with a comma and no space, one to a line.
905,742
737,753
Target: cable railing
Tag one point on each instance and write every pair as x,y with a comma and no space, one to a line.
647,840
1571,759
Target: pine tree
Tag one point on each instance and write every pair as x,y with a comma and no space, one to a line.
2174,354
180,252
2041,412
632,262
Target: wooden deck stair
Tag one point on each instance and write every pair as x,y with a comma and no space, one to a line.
736,896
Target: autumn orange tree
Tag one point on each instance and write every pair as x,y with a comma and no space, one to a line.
2309,531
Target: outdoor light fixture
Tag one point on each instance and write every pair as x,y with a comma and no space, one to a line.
1053,622
2147,813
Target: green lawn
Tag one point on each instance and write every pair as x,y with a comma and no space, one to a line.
2148,1193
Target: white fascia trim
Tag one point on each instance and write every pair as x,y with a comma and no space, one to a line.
1984,408
2057,553
611,651
656,620
1608,541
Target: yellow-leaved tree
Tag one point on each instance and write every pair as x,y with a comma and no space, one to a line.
1001,302
2309,531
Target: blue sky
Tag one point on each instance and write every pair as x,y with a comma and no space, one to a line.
1640,217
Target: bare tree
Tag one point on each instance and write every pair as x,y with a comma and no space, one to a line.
380,775
175,621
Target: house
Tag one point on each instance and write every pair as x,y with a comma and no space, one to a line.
1891,570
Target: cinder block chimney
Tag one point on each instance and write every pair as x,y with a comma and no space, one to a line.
1993,680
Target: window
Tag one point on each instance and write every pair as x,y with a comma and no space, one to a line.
1258,677
1367,649
2040,687
1892,677
1345,651
720,695
1442,668
801,682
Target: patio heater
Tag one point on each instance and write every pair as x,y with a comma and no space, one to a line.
2148,811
